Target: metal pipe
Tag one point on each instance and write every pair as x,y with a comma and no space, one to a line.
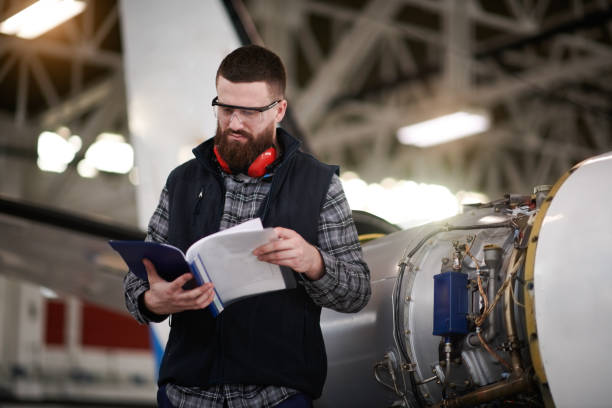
517,367
489,393
493,263
428,380
448,347
492,257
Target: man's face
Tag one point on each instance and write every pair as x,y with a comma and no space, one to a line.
243,135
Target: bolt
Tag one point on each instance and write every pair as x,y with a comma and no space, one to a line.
408,298
407,332
426,395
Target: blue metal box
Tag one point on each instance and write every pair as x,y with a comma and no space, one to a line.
450,304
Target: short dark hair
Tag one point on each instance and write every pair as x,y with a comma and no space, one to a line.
253,63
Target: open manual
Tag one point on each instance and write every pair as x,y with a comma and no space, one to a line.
224,258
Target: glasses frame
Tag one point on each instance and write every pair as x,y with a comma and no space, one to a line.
215,102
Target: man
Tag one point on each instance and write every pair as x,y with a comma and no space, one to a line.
266,350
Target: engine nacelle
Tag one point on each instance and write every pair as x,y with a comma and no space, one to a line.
507,302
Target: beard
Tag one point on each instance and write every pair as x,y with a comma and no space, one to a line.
239,155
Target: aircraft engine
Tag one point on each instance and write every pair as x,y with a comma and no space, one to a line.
507,304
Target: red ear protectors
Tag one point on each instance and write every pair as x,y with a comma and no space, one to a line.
222,162
257,168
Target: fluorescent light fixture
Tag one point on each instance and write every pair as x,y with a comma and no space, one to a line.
444,129
55,152
86,169
41,17
110,153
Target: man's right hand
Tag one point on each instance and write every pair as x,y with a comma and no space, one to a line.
165,298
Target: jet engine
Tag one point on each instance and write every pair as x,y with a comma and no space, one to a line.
506,304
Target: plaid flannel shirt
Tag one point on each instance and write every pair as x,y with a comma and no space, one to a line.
344,287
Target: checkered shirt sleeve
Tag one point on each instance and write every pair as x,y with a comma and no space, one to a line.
133,286
345,286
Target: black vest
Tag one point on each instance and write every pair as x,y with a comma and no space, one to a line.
270,339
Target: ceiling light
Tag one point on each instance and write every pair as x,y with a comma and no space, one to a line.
55,152
86,169
41,17
111,153
444,129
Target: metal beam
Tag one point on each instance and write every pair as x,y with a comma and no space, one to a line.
44,81
111,19
21,111
84,52
538,79
399,28
75,106
7,66
458,55
344,60
477,14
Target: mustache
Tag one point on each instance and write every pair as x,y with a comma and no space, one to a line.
244,133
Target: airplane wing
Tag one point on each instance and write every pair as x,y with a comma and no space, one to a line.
64,252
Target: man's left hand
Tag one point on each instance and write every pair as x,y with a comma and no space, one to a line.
293,251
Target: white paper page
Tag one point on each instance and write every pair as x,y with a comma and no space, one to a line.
232,267
237,272
250,225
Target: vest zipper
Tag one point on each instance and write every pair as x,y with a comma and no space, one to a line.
196,209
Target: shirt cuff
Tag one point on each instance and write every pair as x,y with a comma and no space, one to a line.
329,278
145,312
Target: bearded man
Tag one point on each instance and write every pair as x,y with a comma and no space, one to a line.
265,350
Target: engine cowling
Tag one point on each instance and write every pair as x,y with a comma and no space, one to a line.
508,301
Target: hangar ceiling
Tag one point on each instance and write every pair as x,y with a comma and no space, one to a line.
363,69
71,76
359,70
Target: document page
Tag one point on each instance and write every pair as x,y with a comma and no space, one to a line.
228,260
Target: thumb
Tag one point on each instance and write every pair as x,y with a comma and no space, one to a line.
283,233
151,271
